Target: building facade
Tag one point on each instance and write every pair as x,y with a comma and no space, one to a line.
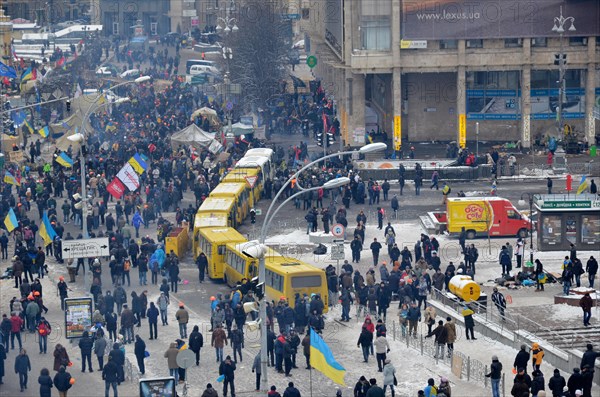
120,17
442,70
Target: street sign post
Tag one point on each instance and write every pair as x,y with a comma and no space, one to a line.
88,248
337,252
338,230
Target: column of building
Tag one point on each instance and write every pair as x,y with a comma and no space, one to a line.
461,95
396,78
590,91
526,95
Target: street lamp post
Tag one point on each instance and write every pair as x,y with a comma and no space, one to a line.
477,135
559,27
228,25
260,247
80,138
522,202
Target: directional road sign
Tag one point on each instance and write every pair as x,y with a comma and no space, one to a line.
89,248
337,252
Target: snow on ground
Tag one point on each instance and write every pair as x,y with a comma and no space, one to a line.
564,312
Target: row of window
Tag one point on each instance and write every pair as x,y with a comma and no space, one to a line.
237,263
510,80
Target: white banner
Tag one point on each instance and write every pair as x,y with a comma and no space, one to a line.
129,177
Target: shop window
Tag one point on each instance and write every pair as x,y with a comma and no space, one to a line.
552,230
590,229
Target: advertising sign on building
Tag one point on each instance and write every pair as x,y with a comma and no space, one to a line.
493,19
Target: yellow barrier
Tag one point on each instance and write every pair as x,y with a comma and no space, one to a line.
178,241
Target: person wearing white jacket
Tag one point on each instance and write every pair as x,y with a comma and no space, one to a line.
382,347
389,374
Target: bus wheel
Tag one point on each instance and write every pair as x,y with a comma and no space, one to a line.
471,234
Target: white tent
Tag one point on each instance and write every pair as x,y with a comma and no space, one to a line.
192,135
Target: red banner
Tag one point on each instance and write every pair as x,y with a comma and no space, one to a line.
116,188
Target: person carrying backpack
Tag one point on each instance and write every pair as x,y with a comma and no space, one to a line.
44,329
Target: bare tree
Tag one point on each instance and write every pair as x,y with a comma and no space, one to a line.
260,52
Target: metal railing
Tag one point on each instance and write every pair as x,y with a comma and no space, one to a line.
471,370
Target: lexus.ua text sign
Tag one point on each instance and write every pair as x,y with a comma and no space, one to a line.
88,248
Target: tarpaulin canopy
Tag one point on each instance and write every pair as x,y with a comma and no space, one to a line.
192,135
238,129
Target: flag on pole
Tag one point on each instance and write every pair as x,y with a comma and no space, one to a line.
138,164
10,179
18,117
28,74
60,62
7,71
47,232
322,359
64,160
29,127
583,185
44,131
11,221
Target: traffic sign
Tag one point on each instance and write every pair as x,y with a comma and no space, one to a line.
257,211
337,252
311,61
88,248
229,105
251,180
338,230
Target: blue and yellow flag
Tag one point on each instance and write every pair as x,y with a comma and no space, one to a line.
11,221
322,359
138,164
29,127
64,160
47,232
44,131
583,185
10,179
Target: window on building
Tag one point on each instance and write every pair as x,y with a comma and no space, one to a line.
512,43
375,25
539,42
306,13
448,44
115,28
475,43
577,41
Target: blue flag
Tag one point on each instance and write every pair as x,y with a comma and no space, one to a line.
7,71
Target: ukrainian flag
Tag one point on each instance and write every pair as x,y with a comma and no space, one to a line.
582,185
44,132
10,179
64,160
31,130
11,221
28,74
322,359
46,230
138,164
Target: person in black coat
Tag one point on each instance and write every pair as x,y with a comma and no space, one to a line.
589,357
22,366
111,325
557,383
522,358
85,344
140,353
196,342
152,314
538,382
575,381
45,382
109,303
291,391
227,368
62,380
110,375
2,358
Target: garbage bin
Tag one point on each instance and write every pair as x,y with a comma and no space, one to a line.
593,151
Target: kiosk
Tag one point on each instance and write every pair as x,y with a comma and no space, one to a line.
565,219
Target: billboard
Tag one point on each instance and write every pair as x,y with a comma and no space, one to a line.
157,387
499,19
78,316
334,26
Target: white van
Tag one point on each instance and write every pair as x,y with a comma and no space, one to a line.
200,69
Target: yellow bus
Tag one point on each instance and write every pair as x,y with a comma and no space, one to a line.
207,220
223,205
238,175
263,163
285,277
237,190
212,242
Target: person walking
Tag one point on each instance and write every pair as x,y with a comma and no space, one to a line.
45,382
382,347
85,345
500,302
127,322
218,341
61,357
163,304
227,369
237,342
140,353
537,354
451,335
591,267
365,341
44,328
171,356
495,375
586,303
557,383
196,342
152,314
389,377
257,369
183,318
22,367
202,263
100,349
469,322
62,381
441,338
110,376
291,391
413,316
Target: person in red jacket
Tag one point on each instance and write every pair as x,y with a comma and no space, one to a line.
15,330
